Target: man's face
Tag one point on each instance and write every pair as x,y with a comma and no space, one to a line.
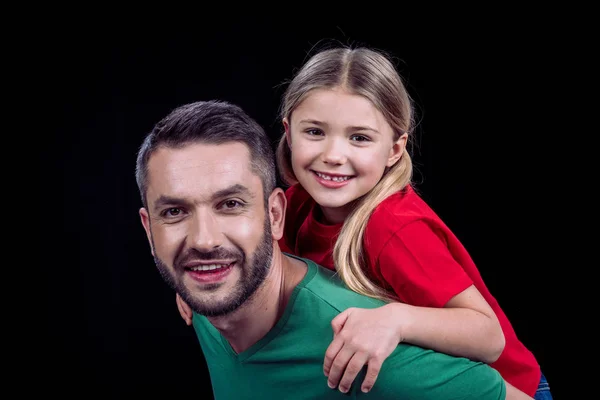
207,224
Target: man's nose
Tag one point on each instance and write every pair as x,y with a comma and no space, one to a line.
334,152
206,232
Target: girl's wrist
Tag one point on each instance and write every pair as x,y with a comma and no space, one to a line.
404,318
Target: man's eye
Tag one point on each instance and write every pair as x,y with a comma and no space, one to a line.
231,204
172,212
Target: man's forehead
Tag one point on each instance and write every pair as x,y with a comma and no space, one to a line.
197,168
210,158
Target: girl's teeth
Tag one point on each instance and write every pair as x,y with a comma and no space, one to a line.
335,178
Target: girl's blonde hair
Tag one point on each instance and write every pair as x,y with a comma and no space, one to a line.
368,73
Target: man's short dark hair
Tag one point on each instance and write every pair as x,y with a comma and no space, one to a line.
209,122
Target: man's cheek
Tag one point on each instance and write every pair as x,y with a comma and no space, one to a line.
166,243
246,231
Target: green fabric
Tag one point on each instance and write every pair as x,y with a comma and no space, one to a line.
288,362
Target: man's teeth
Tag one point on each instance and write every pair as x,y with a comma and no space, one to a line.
332,178
208,267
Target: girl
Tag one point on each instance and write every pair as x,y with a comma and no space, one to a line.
351,207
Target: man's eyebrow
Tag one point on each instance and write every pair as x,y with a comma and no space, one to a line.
237,189
233,190
163,201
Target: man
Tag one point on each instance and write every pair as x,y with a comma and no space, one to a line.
213,216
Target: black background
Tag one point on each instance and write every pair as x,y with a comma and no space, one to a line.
484,155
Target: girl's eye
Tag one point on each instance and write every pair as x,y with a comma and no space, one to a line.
359,138
314,132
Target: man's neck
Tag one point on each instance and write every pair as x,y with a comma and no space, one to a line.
251,322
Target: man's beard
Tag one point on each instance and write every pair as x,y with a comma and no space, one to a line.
253,273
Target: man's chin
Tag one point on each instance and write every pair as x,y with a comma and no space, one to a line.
211,301
213,308
200,290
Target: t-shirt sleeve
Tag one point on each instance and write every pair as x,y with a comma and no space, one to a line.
419,267
416,373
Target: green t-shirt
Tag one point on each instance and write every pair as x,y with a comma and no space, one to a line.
287,363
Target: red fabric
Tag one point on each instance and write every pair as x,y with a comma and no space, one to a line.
411,251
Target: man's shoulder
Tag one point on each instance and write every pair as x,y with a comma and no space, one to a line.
326,286
410,371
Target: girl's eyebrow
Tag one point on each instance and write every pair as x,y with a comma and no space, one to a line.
352,128
312,121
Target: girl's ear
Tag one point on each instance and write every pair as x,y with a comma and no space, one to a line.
288,136
397,150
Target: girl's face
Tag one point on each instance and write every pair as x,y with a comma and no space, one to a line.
340,145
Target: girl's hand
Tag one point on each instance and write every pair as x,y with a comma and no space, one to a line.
184,310
361,336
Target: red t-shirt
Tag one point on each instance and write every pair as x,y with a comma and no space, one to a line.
412,252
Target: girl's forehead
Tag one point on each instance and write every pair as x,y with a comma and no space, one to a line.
339,107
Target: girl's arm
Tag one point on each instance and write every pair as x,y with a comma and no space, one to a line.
436,276
466,327
441,309
512,393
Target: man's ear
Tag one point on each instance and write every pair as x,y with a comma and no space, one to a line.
397,150
288,135
146,223
277,205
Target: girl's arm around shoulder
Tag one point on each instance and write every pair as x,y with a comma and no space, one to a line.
441,309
